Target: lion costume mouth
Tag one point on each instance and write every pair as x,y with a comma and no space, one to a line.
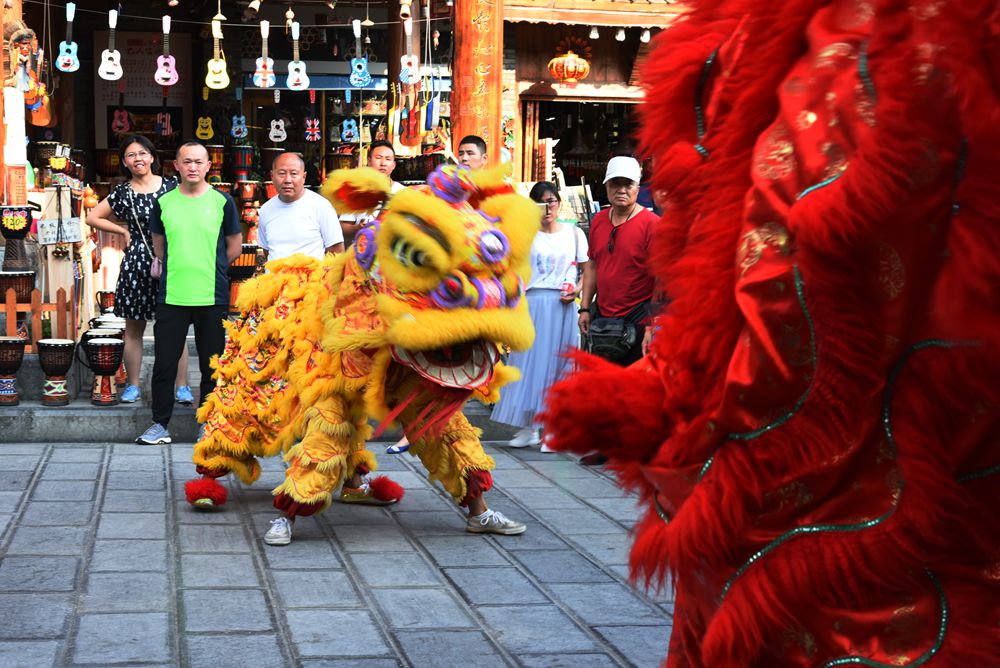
464,366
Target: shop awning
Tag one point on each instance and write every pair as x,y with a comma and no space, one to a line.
617,13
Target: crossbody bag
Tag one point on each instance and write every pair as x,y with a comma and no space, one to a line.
155,265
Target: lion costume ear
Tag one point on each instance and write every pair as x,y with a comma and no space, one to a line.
356,190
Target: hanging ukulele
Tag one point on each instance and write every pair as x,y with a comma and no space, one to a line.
217,77
432,115
239,128
110,68
360,77
163,127
409,64
263,77
166,66
121,123
204,131
297,77
349,130
312,122
277,133
67,60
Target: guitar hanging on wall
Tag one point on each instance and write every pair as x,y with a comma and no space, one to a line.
120,122
110,68
217,77
204,130
313,132
67,60
166,66
409,64
239,128
278,134
297,77
263,76
360,76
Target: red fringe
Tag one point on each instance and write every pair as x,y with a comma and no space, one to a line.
205,488
477,483
210,473
293,508
385,489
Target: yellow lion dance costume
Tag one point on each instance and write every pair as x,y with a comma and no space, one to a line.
404,327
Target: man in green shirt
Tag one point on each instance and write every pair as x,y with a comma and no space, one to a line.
196,234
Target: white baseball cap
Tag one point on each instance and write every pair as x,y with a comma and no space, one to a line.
625,167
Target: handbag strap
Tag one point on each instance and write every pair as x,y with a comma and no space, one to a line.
135,219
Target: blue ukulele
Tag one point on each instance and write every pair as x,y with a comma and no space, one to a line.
67,60
360,76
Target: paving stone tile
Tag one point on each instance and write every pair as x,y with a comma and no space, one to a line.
139,463
323,589
584,521
135,480
15,480
225,610
137,526
9,501
422,499
28,653
503,460
64,490
560,566
336,633
606,548
464,550
395,569
127,592
534,498
346,514
351,663
565,660
23,448
642,645
72,471
45,541
519,478
623,510
57,513
530,628
373,539
124,501
71,454
218,570
591,488
428,522
421,609
536,537
411,482
449,649
302,553
129,555
618,604
19,462
233,651
562,468
38,574
34,615
5,521
495,586
213,538
118,637
187,514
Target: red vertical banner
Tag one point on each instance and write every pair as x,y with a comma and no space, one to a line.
478,69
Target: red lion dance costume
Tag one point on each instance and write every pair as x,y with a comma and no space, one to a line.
815,430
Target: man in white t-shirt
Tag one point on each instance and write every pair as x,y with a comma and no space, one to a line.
382,158
297,220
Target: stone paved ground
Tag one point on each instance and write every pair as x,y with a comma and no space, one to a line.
103,563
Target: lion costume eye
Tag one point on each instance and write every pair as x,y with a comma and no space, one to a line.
409,255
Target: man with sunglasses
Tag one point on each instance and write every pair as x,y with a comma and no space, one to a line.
620,244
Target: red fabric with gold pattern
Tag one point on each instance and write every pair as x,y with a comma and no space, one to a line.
815,429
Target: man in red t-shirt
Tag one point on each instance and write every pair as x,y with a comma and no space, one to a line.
620,242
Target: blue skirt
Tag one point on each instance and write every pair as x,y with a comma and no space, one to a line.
556,331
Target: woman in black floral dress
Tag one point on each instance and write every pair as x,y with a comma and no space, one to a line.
126,211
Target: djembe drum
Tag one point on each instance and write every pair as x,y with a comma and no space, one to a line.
106,301
248,191
115,328
217,156
224,187
23,283
244,266
104,356
15,221
11,356
242,162
55,356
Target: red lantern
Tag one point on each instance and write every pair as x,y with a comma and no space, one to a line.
569,68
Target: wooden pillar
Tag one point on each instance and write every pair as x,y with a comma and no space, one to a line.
477,73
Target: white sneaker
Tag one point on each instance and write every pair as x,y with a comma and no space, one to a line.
280,532
523,438
493,521
545,445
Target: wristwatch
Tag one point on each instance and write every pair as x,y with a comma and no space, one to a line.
583,310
